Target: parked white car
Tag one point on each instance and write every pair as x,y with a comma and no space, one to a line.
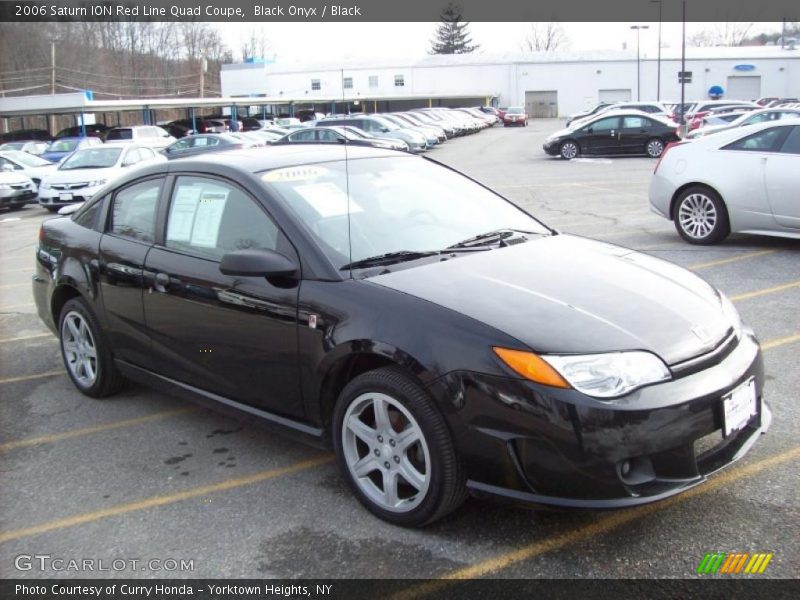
742,180
750,118
84,172
27,164
15,189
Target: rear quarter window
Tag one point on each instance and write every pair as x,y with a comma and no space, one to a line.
120,134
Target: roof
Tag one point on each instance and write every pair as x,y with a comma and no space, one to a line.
276,157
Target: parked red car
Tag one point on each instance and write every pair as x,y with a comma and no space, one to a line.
515,115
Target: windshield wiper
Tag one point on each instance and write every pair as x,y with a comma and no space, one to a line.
84,167
387,259
490,237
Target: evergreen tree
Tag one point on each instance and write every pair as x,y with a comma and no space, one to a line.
452,34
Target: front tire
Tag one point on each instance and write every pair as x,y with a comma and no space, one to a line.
569,150
86,353
701,217
15,206
654,148
395,449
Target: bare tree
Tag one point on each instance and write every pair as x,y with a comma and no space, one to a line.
728,33
545,37
256,44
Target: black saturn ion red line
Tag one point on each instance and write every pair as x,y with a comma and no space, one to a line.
441,340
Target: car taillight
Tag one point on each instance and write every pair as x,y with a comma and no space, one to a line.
41,234
237,146
668,147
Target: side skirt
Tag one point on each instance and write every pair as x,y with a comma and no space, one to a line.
243,412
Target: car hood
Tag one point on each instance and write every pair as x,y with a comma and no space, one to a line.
565,294
81,175
13,178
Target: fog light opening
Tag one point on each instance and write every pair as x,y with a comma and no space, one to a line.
636,470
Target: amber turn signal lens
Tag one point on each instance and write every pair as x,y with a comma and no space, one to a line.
530,366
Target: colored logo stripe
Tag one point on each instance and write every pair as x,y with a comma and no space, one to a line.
734,563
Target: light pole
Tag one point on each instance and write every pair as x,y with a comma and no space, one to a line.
658,81
638,28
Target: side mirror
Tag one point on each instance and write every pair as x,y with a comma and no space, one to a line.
384,129
257,263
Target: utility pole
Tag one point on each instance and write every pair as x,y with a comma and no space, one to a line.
683,72
658,81
202,74
52,83
638,28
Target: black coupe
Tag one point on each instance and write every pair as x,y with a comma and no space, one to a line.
441,340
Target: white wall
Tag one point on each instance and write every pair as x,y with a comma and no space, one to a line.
577,82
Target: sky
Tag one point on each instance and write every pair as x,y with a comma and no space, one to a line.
311,42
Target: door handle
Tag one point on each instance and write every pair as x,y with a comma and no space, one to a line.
161,282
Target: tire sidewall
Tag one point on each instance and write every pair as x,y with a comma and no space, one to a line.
647,147
370,383
105,364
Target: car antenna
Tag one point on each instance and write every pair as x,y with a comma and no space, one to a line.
347,184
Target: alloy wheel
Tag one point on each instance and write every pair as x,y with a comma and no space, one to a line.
80,350
697,216
569,150
386,452
655,148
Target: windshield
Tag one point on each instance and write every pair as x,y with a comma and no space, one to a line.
385,123
13,146
29,160
396,204
514,110
63,146
91,158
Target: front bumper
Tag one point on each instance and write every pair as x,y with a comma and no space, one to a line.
552,148
529,443
51,197
15,197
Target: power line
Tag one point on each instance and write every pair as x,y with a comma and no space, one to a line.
133,78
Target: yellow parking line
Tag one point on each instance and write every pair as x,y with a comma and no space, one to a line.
789,339
26,337
57,437
764,292
154,501
732,259
507,559
30,377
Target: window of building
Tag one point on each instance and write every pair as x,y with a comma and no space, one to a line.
315,85
373,81
399,80
348,83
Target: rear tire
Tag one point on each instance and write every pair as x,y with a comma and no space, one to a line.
569,150
700,216
395,450
86,352
53,209
15,206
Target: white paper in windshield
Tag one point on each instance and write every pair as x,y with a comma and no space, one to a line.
327,199
182,212
208,218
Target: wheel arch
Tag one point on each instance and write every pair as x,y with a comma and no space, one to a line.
63,293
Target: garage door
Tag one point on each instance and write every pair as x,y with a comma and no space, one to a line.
614,95
743,88
541,105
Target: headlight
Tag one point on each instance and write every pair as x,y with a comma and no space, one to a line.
44,185
95,183
4,186
730,312
599,375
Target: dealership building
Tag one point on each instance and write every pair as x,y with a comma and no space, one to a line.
548,84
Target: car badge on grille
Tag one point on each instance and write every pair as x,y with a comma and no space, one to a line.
701,333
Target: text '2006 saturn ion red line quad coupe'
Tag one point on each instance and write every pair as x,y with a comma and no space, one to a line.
441,340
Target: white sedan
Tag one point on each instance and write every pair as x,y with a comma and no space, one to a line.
26,164
743,180
85,171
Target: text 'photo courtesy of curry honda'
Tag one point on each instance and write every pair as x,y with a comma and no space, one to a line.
440,339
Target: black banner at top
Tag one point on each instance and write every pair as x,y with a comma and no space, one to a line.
240,11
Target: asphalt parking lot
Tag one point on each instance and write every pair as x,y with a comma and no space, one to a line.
144,476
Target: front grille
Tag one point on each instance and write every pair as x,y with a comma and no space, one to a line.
68,186
709,359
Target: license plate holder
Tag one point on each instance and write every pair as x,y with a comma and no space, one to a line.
739,406
65,197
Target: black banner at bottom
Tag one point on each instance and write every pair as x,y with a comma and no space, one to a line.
709,588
